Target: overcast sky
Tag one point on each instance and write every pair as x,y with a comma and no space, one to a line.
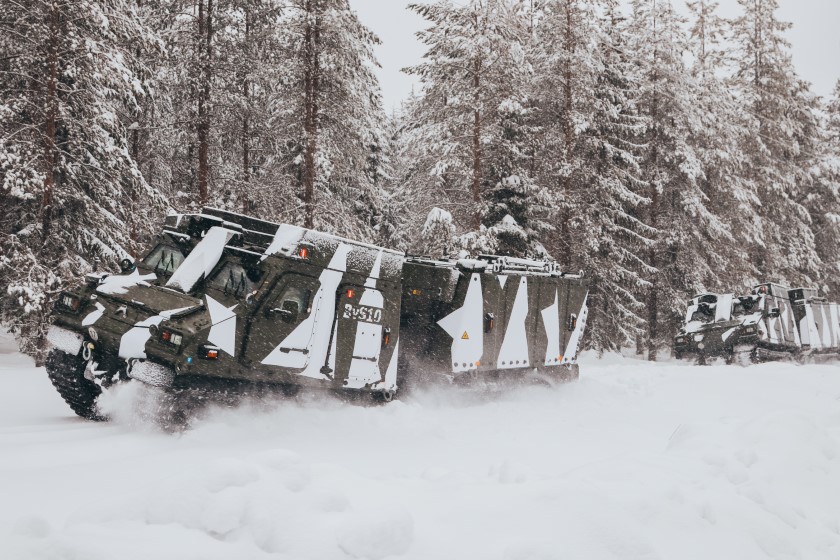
815,39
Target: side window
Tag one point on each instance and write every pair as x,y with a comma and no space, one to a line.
234,279
294,301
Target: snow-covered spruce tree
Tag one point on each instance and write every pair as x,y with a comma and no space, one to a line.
412,189
472,120
783,145
672,171
330,118
564,53
438,234
183,135
724,129
583,92
824,201
220,93
250,62
68,82
391,230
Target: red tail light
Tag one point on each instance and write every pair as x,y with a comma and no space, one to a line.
208,352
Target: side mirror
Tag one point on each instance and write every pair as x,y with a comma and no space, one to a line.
127,265
775,312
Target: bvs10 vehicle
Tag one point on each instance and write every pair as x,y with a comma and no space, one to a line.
772,323
225,301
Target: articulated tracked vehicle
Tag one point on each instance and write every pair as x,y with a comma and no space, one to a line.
772,323
227,301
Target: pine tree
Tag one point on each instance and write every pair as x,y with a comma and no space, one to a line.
411,197
584,91
330,118
673,172
67,177
473,118
724,128
250,60
824,201
782,147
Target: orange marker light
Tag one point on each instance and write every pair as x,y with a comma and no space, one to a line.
351,293
212,354
303,253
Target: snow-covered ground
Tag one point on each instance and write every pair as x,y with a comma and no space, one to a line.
634,461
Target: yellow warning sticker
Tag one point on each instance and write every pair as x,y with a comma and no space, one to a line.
465,336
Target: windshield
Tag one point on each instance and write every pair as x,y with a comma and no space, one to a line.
743,306
164,259
235,279
705,313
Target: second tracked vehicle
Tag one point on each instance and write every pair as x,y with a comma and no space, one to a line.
771,323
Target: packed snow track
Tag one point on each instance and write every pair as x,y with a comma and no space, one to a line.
634,461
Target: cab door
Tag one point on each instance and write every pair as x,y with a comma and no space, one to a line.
281,330
358,336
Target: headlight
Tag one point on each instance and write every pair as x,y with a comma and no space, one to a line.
171,337
70,302
699,337
749,330
681,340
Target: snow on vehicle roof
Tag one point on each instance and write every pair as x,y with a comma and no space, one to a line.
287,232
202,259
285,240
361,258
119,284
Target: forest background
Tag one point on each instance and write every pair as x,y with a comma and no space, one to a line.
662,149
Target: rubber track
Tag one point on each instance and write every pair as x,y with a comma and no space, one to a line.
66,373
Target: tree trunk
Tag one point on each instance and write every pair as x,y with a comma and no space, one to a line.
247,205
311,86
568,131
477,155
653,255
131,215
54,24
205,34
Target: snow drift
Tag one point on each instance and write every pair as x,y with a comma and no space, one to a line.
635,461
